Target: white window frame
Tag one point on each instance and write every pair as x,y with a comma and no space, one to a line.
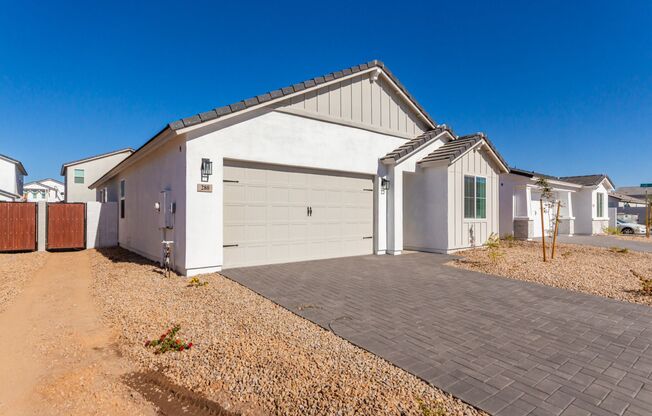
123,197
475,197
74,176
599,203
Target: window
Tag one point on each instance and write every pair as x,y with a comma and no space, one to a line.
79,175
475,197
600,204
122,198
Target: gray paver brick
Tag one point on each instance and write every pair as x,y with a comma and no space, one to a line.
502,345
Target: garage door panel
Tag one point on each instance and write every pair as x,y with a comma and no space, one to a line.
266,215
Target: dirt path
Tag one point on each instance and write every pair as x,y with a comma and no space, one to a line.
57,358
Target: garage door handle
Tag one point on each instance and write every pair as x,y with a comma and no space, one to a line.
230,245
367,238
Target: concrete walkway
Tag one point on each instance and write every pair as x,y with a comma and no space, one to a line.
505,346
633,243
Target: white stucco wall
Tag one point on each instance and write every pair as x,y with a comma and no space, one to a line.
275,138
163,169
476,163
425,211
93,170
9,177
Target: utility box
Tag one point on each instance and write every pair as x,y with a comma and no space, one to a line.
166,210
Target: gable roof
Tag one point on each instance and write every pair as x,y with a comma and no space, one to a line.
456,148
633,190
291,89
626,198
15,162
414,144
88,159
588,180
40,181
267,98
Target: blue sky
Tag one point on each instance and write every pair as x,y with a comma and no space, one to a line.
560,87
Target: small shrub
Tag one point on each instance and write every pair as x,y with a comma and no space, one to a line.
611,230
510,239
493,245
426,410
619,250
195,282
168,341
646,284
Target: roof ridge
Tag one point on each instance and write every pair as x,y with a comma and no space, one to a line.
291,89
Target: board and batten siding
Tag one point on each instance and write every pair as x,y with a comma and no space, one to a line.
360,100
476,163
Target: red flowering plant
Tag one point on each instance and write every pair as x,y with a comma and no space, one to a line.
168,341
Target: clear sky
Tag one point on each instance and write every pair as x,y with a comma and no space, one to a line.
562,87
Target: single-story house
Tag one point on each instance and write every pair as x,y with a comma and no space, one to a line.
584,206
628,208
12,173
640,192
339,165
83,172
48,190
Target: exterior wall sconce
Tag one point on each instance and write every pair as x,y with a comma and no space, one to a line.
206,169
384,184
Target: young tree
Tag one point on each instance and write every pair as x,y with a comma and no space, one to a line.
546,195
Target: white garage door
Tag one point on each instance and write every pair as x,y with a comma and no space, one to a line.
275,216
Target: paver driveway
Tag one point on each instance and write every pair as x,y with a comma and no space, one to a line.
505,346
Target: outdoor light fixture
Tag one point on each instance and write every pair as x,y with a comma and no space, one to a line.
384,184
206,169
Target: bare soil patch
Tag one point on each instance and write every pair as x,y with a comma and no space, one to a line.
249,354
594,270
58,358
15,271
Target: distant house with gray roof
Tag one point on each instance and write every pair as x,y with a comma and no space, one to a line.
584,204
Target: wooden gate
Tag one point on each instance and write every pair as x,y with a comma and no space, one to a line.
17,226
66,225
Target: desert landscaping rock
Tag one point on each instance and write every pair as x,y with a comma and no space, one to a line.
15,271
249,354
595,270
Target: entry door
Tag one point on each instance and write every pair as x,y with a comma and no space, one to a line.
275,215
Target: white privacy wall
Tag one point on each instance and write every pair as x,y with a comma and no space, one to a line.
275,138
477,163
101,224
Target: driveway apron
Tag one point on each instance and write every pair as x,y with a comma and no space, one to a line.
505,346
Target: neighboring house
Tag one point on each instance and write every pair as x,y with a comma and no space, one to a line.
628,208
584,204
48,190
12,173
81,173
639,192
340,165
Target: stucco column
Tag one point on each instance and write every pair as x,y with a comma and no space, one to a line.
395,212
380,217
42,225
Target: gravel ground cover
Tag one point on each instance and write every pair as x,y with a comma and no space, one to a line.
249,354
15,270
599,271
636,238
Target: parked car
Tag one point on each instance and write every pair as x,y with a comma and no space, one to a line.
630,227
